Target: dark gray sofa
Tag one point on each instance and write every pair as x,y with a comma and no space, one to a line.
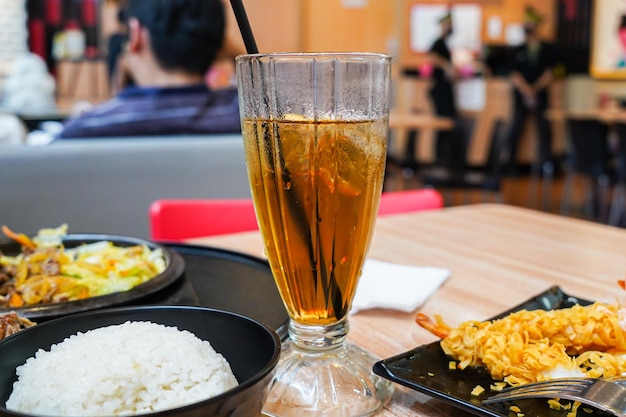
107,185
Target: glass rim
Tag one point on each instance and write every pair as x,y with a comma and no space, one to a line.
355,56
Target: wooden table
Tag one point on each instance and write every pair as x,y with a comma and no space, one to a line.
608,115
499,256
404,120
408,150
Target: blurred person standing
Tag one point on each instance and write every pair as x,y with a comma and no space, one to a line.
171,45
449,149
531,74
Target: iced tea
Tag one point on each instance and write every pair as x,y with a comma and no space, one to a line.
316,187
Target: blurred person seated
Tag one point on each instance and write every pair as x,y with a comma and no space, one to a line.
222,74
29,87
171,45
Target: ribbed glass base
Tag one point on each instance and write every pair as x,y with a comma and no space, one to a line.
319,374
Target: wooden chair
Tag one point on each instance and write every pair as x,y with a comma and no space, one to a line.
180,219
616,213
589,158
465,177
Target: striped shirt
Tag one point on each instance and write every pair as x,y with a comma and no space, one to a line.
140,111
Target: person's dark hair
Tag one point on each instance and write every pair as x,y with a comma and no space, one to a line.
185,34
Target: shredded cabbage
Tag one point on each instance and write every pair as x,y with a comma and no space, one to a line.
51,273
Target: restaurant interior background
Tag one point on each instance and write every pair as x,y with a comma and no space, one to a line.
70,35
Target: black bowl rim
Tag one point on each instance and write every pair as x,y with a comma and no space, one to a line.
242,386
175,266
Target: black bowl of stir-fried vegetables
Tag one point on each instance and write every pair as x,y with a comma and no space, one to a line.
54,274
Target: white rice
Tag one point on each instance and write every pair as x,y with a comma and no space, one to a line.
127,369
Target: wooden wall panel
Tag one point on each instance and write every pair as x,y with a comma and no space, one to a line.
509,11
512,11
275,23
327,25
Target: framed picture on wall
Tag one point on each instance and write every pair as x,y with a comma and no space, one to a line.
424,26
608,40
466,39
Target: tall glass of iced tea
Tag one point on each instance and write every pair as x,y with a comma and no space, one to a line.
315,132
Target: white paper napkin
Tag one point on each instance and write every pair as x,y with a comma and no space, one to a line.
397,287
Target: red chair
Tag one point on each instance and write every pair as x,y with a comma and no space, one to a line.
395,202
177,220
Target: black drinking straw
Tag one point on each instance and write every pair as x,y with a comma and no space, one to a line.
244,26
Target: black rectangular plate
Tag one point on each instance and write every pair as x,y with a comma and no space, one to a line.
425,369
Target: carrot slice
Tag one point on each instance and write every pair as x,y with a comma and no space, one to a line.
15,300
20,238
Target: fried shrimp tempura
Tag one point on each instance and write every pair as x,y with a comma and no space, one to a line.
529,346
